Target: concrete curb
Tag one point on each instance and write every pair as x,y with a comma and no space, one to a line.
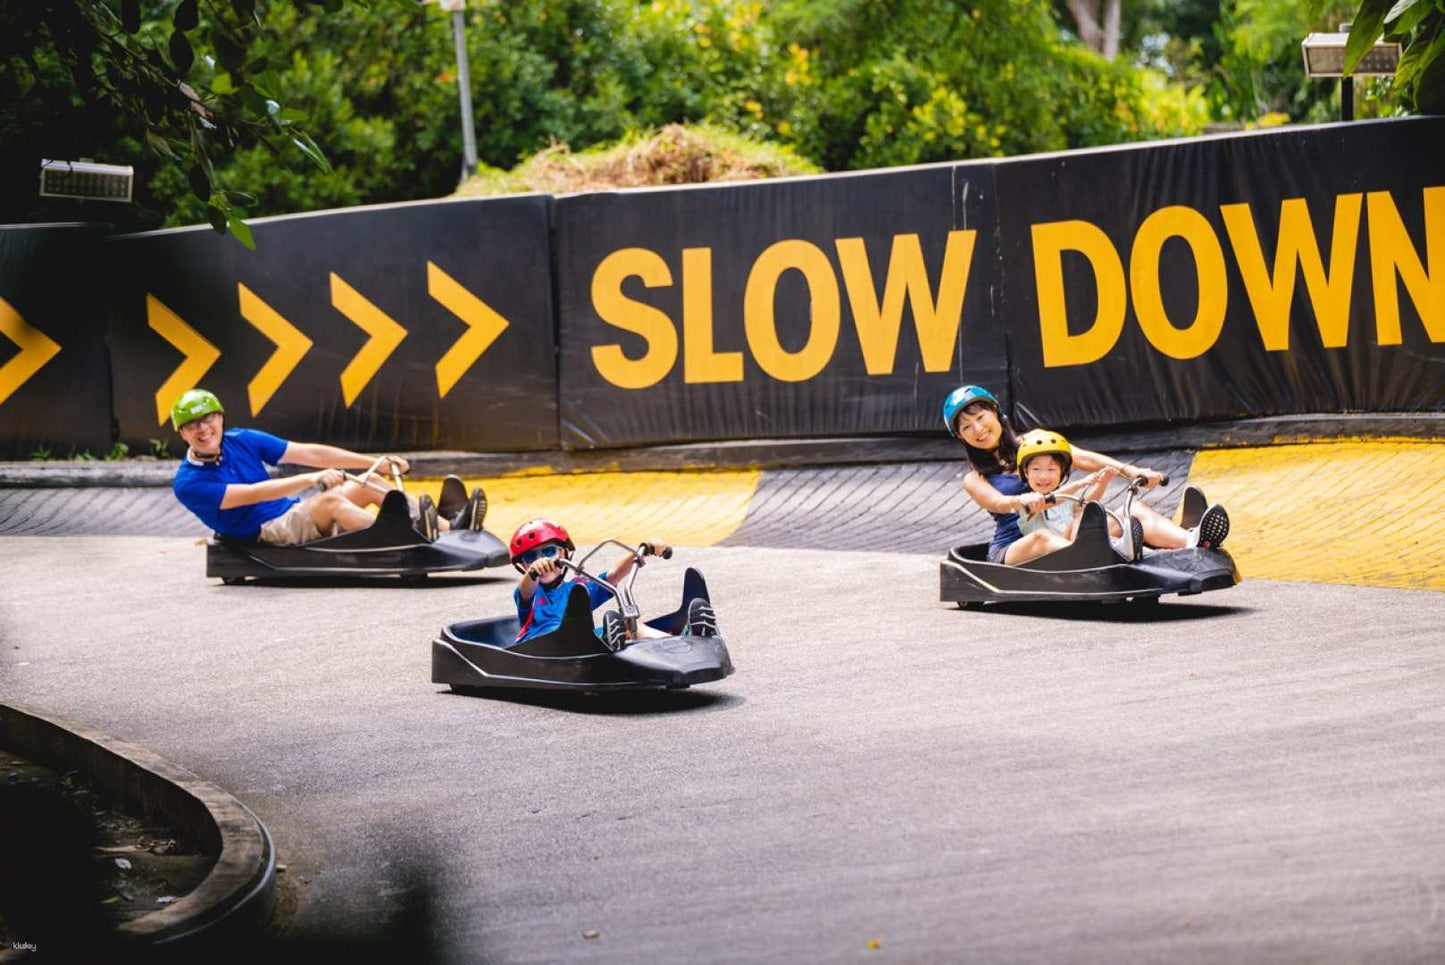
235,901
783,453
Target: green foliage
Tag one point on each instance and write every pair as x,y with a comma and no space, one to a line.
117,452
222,88
42,452
1420,26
930,80
1261,69
159,448
174,83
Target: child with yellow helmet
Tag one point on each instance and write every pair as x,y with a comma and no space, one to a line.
1045,460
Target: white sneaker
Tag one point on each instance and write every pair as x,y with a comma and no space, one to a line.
1212,530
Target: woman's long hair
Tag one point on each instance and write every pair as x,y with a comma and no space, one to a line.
1004,458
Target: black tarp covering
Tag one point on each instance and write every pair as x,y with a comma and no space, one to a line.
406,262
1151,214
53,285
707,313
776,270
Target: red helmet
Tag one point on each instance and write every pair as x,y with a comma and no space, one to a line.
536,532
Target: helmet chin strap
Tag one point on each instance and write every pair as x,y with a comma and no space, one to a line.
205,457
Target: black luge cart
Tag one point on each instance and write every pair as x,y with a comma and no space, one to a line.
1092,568
477,655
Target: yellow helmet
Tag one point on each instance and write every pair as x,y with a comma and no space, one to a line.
1043,442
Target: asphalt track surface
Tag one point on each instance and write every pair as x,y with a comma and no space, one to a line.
1252,775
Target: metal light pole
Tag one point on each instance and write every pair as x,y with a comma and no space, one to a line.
464,82
464,87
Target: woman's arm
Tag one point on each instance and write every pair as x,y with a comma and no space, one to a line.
1089,461
248,494
982,492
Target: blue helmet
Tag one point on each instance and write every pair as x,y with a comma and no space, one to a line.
962,396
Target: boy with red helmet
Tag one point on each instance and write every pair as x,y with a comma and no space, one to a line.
541,595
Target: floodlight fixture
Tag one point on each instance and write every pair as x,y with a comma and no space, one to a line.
1324,55
86,180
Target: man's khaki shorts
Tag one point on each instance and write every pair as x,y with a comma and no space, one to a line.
291,527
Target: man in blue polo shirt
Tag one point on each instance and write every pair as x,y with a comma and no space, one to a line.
224,481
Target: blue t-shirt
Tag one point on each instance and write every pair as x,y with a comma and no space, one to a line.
1006,525
200,488
543,613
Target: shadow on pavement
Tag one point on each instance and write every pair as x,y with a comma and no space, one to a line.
433,582
1141,612
406,930
51,908
633,702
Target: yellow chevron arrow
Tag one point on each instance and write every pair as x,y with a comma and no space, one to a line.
385,334
483,326
291,346
36,348
199,354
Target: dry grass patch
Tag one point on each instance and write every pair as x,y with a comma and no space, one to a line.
673,155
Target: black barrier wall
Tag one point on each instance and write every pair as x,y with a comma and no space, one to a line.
807,307
54,371
416,326
1288,272
1271,273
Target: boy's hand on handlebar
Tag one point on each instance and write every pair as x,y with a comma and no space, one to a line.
656,547
397,464
544,571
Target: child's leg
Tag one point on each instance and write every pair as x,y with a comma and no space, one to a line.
1159,531
1033,546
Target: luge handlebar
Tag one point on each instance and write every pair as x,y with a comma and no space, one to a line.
640,551
365,478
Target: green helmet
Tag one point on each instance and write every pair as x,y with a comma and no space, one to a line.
192,405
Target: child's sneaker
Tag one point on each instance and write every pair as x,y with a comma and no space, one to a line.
614,631
701,621
1213,528
1131,546
1192,507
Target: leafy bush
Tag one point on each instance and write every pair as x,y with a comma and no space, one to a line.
843,83
931,80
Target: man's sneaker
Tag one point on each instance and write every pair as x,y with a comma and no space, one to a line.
473,512
1192,507
1213,527
453,498
426,510
614,631
701,621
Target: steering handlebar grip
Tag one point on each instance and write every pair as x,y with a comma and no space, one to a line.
1164,480
667,553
